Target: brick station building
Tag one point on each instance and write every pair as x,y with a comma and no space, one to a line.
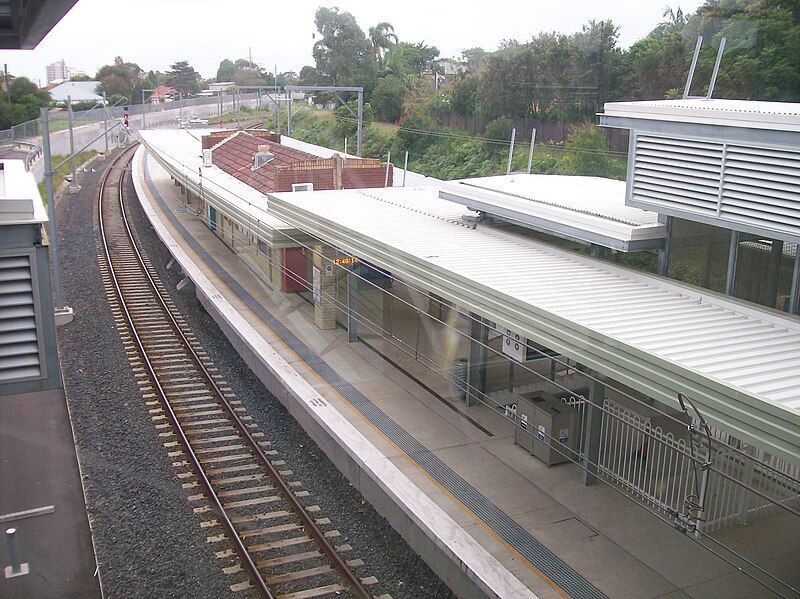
257,158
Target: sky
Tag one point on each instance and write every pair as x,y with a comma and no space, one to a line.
156,33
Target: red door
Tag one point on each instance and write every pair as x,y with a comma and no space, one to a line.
295,267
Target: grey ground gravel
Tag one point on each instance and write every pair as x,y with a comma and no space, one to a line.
147,538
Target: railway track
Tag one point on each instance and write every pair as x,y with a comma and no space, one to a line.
270,539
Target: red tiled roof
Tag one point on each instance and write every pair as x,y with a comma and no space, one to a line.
162,92
235,157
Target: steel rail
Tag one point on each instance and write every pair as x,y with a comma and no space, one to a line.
306,519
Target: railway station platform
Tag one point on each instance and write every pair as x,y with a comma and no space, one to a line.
42,500
487,517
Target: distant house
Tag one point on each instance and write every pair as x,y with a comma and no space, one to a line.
162,93
76,91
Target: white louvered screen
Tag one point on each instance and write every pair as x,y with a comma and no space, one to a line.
761,187
677,173
19,344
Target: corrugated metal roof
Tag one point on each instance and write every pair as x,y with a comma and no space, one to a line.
736,361
78,91
743,113
20,202
590,209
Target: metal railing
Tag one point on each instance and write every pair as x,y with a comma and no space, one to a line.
655,466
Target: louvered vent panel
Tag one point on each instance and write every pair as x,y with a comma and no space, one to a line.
761,188
19,345
677,173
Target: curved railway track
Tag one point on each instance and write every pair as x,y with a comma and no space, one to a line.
262,523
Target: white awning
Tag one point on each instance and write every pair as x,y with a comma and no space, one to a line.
585,209
738,363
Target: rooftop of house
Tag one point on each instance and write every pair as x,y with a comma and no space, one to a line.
77,91
161,92
257,158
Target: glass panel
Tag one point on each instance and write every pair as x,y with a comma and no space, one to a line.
699,254
764,271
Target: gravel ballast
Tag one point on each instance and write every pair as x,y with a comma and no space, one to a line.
148,541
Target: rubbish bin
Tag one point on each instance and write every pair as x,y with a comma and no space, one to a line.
460,378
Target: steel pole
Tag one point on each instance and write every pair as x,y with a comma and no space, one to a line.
388,166
530,153
360,122
13,550
289,116
51,209
511,151
143,107
405,169
105,121
71,141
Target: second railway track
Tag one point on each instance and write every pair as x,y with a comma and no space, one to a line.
269,537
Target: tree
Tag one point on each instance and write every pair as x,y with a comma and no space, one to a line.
183,78
387,99
226,71
463,95
473,55
344,55
382,37
250,77
120,79
26,100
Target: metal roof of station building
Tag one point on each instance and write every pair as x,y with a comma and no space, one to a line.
586,209
737,362
781,116
20,201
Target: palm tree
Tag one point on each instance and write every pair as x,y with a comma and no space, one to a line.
382,37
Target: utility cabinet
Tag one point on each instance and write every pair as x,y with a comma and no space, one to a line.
548,428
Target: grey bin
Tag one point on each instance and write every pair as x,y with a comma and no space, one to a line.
551,432
459,379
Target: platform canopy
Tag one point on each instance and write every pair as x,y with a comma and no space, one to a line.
24,23
585,209
738,363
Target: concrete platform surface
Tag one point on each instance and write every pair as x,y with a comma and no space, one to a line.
42,498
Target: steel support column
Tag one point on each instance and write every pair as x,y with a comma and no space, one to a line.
794,299
352,307
774,273
663,254
360,122
476,362
55,265
591,432
733,261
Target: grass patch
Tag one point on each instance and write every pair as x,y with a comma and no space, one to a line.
60,174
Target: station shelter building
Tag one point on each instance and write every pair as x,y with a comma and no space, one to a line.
643,329
258,159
